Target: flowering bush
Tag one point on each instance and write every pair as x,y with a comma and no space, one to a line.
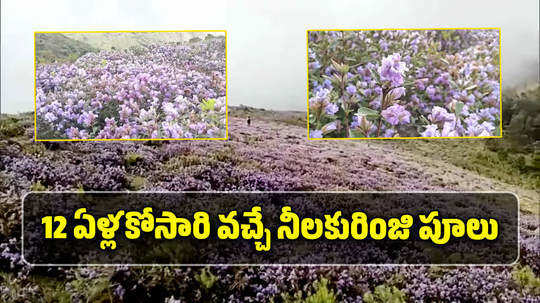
398,83
157,91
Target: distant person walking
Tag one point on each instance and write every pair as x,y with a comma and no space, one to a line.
248,121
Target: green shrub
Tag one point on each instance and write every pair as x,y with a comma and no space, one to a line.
521,120
137,183
14,290
167,251
206,278
37,186
179,162
10,127
322,294
34,149
46,131
52,289
383,294
526,280
226,155
91,290
132,158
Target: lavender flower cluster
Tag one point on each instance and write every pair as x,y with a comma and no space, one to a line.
397,83
157,91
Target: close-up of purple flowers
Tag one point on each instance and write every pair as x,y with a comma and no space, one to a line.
404,83
396,114
156,91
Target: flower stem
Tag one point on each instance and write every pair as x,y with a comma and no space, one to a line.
380,114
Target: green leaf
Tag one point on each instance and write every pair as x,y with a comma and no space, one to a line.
424,120
336,65
342,68
459,108
498,130
327,77
208,105
376,74
357,134
364,111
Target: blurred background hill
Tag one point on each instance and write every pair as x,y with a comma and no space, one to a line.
127,40
67,47
52,47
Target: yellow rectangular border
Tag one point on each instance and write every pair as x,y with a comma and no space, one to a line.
409,29
148,139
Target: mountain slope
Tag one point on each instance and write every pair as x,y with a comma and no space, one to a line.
56,47
267,155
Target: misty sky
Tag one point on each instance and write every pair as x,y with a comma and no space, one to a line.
266,40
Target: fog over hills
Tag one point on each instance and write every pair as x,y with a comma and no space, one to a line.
126,40
266,43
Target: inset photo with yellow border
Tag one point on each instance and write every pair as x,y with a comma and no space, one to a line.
130,85
404,83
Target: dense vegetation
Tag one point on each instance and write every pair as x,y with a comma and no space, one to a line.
515,159
272,154
154,91
265,156
398,83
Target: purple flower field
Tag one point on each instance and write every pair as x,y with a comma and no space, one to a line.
401,83
268,155
166,91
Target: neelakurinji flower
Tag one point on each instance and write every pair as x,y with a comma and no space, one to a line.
321,95
392,69
315,65
431,131
165,82
389,133
369,72
331,109
355,123
449,130
439,114
397,93
396,114
329,127
431,92
351,89
483,129
50,117
316,133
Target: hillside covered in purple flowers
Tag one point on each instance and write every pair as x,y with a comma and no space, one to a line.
271,154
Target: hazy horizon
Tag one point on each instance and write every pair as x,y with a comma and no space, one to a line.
266,44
